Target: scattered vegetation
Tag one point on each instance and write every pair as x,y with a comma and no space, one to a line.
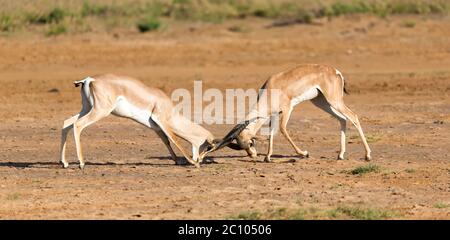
248,215
56,15
56,29
13,196
214,11
359,213
238,28
342,212
409,24
6,23
410,170
361,170
148,24
441,205
90,9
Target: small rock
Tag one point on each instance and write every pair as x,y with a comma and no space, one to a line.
53,90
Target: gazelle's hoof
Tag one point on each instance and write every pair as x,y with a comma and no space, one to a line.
368,158
304,154
340,157
81,166
197,165
64,164
267,159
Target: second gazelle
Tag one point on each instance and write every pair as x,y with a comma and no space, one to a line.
323,85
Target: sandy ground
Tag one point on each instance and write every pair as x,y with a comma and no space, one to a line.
399,84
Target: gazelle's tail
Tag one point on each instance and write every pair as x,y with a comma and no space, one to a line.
84,81
343,81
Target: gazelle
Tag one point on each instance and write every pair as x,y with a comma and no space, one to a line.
323,85
129,98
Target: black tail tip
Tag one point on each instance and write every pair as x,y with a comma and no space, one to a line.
345,91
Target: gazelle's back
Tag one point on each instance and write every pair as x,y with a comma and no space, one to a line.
136,92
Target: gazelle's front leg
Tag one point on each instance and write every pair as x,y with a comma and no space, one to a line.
270,148
172,137
285,115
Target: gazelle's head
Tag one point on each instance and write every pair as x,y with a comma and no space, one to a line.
244,140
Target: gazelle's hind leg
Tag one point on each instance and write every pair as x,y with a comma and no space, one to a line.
68,125
285,115
338,106
94,115
322,103
354,119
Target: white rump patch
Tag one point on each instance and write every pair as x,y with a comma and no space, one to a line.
308,95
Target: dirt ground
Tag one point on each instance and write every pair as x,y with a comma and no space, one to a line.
399,83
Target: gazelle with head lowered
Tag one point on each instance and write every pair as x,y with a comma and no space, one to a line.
321,84
127,97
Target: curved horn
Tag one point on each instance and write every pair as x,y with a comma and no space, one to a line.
233,134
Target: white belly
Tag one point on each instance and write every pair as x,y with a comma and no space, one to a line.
308,95
126,109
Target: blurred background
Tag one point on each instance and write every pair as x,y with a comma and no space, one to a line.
54,17
394,55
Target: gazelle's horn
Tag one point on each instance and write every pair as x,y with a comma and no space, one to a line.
233,134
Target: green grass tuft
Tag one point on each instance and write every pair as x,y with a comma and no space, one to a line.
409,24
56,29
56,15
441,205
361,170
359,213
148,24
6,23
90,9
248,215
13,196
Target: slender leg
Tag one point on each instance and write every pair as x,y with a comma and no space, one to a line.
323,104
343,129
283,124
270,149
167,143
68,125
94,115
172,137
354,119
195,153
